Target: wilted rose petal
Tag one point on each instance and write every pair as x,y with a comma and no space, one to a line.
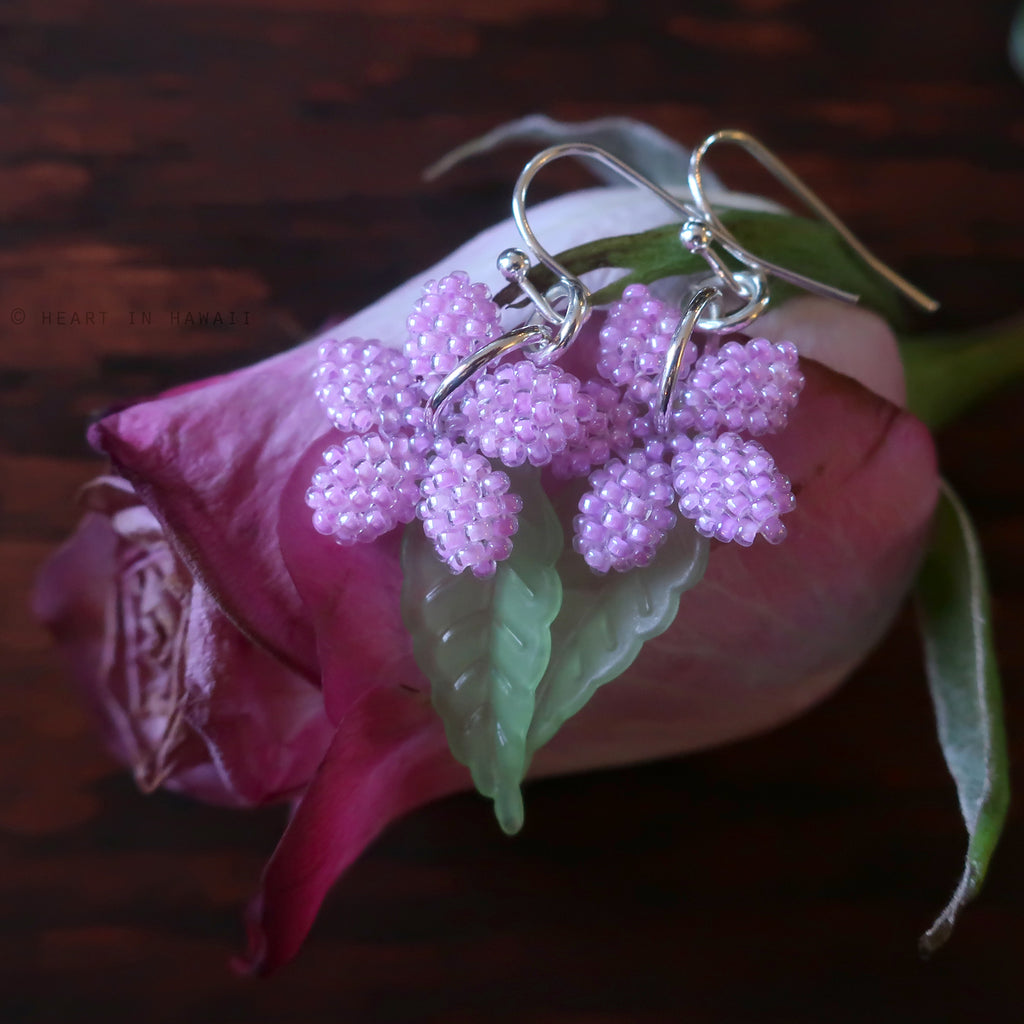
181,695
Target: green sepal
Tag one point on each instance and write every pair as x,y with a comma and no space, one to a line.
963,677
484,644
806,246
947,374
605,620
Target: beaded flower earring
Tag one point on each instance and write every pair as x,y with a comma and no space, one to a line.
658,447
484,435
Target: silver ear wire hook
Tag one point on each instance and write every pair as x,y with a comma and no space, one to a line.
514,266
750,285
579,149
701,227
782,173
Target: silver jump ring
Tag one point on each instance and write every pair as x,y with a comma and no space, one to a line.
518,337
576,315
677,347
753,286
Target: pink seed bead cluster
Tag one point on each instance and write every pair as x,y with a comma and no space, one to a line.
731,488
634,342
384,474
392,468
451,320
750,387
467,510
728,485
627,511
366,487
522,413
607,432
364,386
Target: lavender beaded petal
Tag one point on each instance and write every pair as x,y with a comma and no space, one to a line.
522,413
627,511
366,487
467,510
608,430
749,387
635,340
731,488
362,386
452,319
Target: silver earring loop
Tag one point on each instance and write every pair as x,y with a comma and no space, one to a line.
674,356
700,229
750,285
517,338
771,163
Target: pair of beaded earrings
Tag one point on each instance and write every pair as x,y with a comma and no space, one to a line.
666,424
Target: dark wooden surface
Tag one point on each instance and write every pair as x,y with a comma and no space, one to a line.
265,156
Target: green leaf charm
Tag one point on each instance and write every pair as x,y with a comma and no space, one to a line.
484,644
952,600
605,620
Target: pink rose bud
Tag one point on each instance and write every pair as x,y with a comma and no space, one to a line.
235,653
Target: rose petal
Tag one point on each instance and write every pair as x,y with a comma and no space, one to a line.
352,595
208,462
388,757
849,339
264,726
222,721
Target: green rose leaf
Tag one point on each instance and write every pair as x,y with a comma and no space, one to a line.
605,620
484,644
806,246
953,607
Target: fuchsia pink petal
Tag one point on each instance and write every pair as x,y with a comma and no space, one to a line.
627,511
389,755
452,318
520,413
749,387
467,510
731,488
366,487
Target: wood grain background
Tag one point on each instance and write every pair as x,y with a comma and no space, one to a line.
265,156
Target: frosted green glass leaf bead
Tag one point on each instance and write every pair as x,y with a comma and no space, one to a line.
484,644
605,620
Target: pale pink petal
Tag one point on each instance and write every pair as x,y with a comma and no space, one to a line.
851,340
